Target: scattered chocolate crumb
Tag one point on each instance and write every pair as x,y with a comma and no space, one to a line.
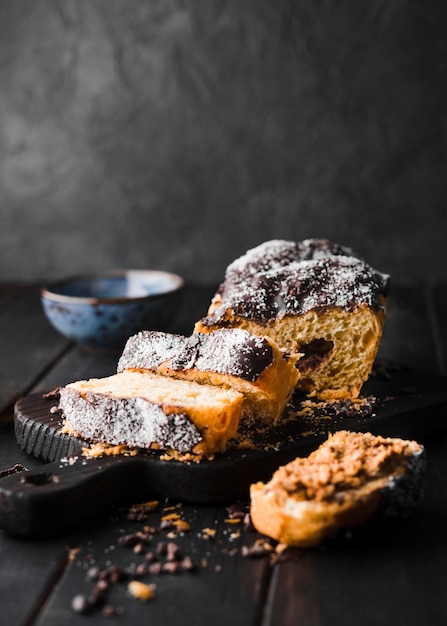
97,593
50,395
128,540
360,407
155,568
141,511
150,557
187,564
237,511
167,524
164,558
134,539
15,469
138,548
109,611
141,569
171,567
172,552
101,586
113,574
248,525
157,557
260,547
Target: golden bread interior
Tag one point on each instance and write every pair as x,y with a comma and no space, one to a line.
338,346
265,398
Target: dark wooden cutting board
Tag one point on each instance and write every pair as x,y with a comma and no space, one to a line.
69,488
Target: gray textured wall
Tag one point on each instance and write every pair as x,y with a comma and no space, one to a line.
178,133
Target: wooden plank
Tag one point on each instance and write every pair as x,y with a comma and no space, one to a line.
213,556
9,291
28,344
224,588
28,570
381,578
386,576
377,579
78,363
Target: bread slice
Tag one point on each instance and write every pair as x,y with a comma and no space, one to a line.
315,297
145,410
350,479
254,366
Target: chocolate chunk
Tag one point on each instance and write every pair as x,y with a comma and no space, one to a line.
187,564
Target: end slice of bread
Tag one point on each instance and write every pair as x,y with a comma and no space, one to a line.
145,410
350,479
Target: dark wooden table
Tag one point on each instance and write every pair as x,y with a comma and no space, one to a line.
393,576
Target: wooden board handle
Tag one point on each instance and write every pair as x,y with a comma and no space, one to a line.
66,493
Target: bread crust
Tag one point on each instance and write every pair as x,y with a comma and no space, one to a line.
306,517
254,366
350,340
315,297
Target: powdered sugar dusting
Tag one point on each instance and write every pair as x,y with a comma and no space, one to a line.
229,351
278,253
285,278
148,349
135,422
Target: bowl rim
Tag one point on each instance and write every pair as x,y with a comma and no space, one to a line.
49,291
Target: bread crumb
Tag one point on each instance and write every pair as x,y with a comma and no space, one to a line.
182,526
103,449
171,517
208,533
174,455
141,591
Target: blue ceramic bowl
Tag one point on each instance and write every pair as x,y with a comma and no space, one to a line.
102,311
